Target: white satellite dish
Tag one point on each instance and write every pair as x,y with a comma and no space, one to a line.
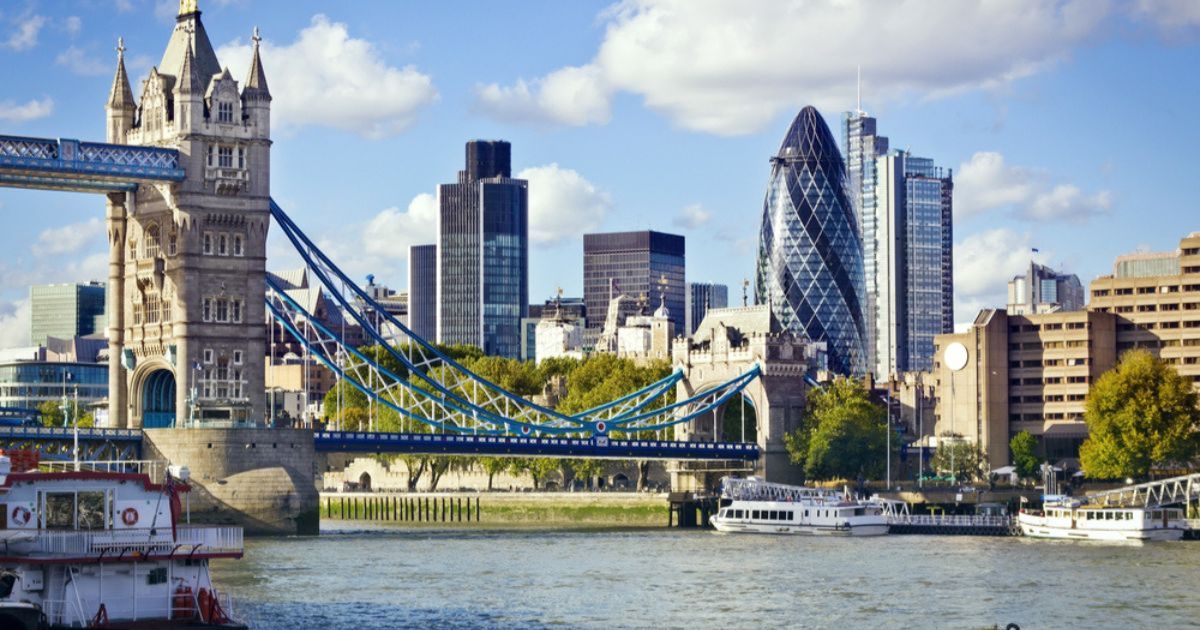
955,356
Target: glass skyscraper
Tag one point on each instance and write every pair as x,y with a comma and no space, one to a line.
702,296
911,289
65,311
810,266
422,291
483,253
632,264
863,144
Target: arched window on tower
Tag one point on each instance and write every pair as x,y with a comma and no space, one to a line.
172,244
152,241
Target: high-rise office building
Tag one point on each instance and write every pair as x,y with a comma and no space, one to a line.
863,145
702,296
1043,290
65,311
636,264
422,291
483,253
910,292
810,266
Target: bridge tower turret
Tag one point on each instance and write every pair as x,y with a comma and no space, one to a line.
120,106
188,259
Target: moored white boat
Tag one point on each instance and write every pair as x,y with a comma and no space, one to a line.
756,506
1070,520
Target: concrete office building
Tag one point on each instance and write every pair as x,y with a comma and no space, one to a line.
1011,373
1043,290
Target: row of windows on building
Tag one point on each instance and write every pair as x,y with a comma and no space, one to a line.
212,244
1038,363
1151,290
223,244
1152,308
1048,380
222,310
152,309
1191,323
226,156
1015,328
1048,398
222,377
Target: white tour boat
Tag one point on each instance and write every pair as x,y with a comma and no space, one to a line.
88,548
1071,520
757,506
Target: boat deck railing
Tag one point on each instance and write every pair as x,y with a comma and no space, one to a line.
950,520
122,543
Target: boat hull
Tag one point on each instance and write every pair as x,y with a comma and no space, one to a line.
1034,529
865,529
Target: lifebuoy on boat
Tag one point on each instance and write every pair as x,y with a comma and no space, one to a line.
21,515
129,516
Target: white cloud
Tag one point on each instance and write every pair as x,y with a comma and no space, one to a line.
732,67
69,238
692,217
562,203
570,96
124,6
987,182
1169,15
26,34
15,319
33,109
983,265
390,233
328,78
73,25
82,63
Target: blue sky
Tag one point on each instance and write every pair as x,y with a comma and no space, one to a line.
1069,125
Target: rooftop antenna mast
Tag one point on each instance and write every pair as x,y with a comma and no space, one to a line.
858,107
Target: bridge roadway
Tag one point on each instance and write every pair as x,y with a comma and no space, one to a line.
126,444
95,167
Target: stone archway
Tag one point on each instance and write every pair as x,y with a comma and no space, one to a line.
158,400
364,482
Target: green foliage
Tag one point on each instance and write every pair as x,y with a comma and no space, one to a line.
52,414
843,434
732,426
1139,415
959,458
1024,455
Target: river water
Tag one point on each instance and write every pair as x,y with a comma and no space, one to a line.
396,578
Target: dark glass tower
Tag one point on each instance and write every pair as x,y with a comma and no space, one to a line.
483,253
810,264
422,291
633,264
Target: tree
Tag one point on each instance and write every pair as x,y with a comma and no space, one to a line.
493,466
843,434
52,414
1139,415
1024,455
958,457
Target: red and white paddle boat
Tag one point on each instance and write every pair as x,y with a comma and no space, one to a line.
90,548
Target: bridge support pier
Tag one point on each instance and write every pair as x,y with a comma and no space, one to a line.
261,479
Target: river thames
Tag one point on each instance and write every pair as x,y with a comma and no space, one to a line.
391,578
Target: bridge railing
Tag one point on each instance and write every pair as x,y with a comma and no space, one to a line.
66,433
90,158
1162,492
950,520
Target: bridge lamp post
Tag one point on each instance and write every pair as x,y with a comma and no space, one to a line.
75,419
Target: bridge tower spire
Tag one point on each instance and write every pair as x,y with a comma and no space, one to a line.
120,107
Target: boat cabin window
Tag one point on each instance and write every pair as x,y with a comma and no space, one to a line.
76,510
774,515
790,517
7,581
754,515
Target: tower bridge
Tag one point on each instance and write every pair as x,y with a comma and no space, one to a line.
185,171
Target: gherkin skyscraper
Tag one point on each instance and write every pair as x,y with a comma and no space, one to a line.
810,256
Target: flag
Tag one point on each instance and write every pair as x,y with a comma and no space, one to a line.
1035,250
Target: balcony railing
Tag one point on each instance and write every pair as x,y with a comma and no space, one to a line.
112,543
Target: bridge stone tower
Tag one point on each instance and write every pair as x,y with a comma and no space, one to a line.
729,342
187,260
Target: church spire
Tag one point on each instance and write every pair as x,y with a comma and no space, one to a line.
188,7
256,81
121,96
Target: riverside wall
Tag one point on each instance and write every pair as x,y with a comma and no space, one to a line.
261,479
